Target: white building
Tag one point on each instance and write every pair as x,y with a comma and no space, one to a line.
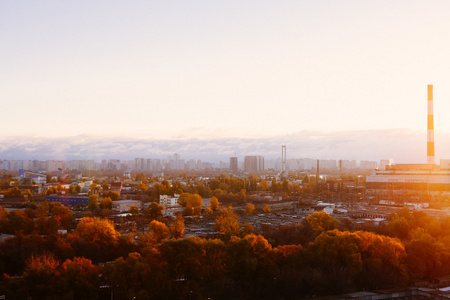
168,201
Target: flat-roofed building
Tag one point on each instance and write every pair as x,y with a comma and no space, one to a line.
420,178
125,205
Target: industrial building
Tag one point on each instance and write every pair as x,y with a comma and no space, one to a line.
68,200
421,179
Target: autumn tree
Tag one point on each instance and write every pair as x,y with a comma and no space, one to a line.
194,204
62,215
14,192
227,222
177,227
93,202
142,187
113,195
339,253
263,185
95,239
183,199
105,203
134,211
320,222
41,275
154,211
158,231
384,261
249,209
80,278
214,204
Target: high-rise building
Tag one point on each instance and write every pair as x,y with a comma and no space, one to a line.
253,163
233,164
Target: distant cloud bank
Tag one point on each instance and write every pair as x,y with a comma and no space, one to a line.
400,144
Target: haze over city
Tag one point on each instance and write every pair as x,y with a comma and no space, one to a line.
329,80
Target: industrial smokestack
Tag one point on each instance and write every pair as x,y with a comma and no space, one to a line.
430,133
317,173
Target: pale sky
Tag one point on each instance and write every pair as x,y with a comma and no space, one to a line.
171,69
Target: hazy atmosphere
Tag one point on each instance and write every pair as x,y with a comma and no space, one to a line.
208,79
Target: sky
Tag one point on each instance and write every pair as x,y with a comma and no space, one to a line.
224,70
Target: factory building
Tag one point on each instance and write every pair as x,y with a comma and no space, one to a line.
421,179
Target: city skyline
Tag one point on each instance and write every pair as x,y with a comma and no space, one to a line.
242,69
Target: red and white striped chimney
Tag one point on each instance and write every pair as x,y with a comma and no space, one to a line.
430,133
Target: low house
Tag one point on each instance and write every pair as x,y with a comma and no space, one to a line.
125,205
116,187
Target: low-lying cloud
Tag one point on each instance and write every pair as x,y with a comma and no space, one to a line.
402,145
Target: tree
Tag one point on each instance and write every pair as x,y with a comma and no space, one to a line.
41,274
93,202
105,186
113,195
249,209
134,211
159,231
194,203
227,222
320,222
97,231
71,189
28,193
14,192
50,191
384,261
80,277
266,209
62,215
339,253
183,199
142,187
154,211
214,204
263,185
106,203
95,239
177,227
